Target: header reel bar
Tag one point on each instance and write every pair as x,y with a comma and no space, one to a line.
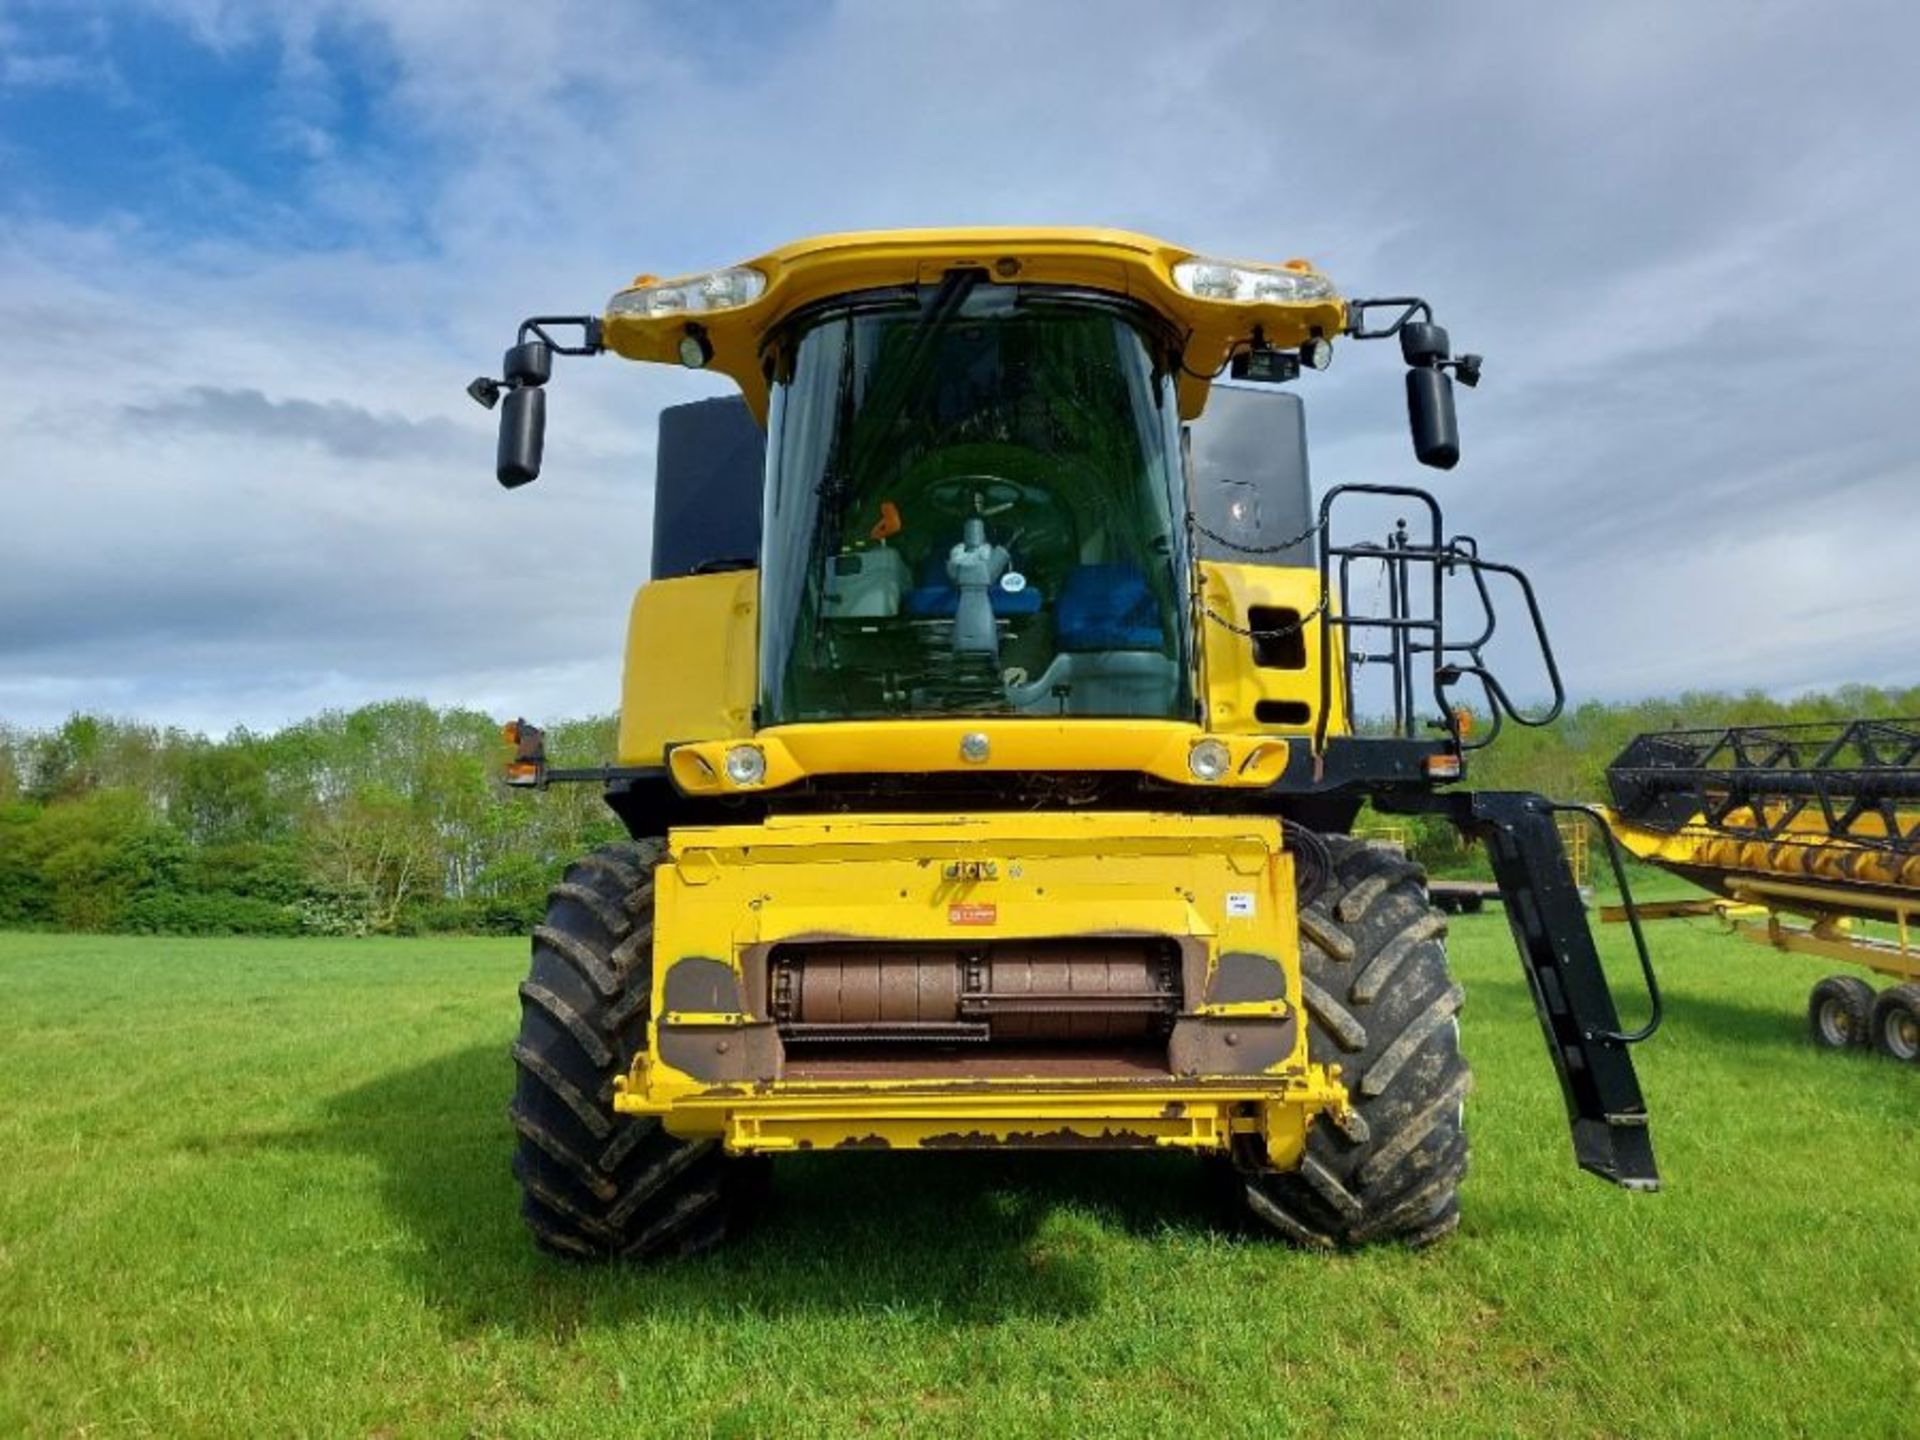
1854,782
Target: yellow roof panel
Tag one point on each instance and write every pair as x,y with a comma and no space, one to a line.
1116,261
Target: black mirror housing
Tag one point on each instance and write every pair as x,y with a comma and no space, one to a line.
1430,416
1424,343
528,363
523,434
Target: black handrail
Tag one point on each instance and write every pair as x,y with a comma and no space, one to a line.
1412,634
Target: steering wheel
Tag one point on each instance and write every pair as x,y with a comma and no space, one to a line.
955,497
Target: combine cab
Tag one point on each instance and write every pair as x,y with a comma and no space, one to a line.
988,753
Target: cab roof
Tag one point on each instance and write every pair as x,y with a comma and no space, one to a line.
1118,262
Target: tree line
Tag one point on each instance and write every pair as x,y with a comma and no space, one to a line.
394,818
389,819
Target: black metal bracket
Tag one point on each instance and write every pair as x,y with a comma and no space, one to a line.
1605,1109
528,363
590,333
1656,1009
1408,305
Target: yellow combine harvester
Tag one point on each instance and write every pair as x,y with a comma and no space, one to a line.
1818,823
986,745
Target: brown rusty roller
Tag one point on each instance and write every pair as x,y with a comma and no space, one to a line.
852,985
1118,989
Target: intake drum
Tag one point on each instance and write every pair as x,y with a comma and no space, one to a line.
1121,988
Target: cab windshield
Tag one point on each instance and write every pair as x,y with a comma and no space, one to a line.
972,508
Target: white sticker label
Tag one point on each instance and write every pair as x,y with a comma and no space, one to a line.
1240,902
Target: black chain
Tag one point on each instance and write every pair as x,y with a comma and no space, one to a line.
1292,627
1218,539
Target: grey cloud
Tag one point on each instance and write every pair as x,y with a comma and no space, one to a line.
1681,234
350,432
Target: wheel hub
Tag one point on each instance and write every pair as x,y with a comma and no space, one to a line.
1903,1035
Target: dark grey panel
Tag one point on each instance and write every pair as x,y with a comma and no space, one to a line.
1248,468
706,497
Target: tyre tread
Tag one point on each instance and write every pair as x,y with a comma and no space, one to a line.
1381,1003
595,1184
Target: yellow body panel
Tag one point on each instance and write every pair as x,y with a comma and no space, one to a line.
1235,685
1223,883
692,663
1115,261
691,678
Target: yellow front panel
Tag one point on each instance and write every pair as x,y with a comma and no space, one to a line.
1224,882
1237,687
692,656
880,876
1160,748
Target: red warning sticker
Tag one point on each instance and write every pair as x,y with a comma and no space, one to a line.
973,912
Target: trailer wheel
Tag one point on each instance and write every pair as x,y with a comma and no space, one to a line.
596,1185
1896,1023
1839,1013
1382,1005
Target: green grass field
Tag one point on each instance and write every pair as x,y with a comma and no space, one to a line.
260,1188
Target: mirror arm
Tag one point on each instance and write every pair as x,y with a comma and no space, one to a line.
1410,306
590,339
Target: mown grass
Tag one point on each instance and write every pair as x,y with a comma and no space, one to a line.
259,1188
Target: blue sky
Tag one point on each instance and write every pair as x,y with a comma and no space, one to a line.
259,250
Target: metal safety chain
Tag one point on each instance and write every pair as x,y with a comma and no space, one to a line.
1279,632
1294,627
1219,539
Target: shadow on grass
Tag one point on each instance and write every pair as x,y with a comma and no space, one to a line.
958,1238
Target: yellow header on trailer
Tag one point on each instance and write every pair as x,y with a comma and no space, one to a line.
1815,821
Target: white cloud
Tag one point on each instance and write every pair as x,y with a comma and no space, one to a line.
1690,288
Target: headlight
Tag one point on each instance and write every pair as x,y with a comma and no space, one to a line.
1227,280
746,765
692,294
1209,759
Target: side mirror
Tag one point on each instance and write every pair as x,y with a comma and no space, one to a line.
1436,430
523,435
518,395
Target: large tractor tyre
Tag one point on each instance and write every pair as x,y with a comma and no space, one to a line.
1381,1005
596,1185
1840,1013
